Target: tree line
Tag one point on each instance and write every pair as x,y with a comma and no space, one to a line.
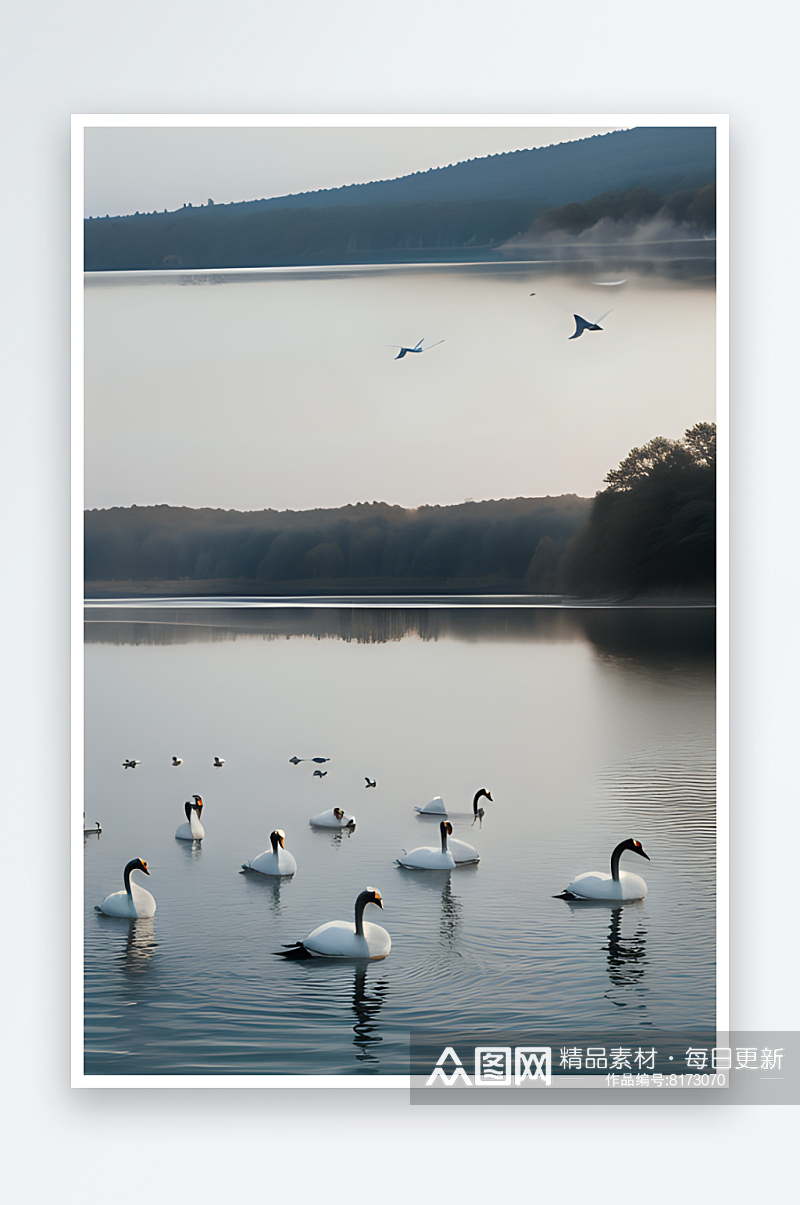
653,529
232,236
512,543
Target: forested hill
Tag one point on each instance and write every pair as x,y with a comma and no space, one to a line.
479,203
507,544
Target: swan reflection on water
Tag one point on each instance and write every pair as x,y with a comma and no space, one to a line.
269,887
140,946
626,957
366,1009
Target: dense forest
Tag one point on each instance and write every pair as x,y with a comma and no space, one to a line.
512,544
454,212
653,529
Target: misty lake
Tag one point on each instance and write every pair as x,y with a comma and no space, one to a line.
587,727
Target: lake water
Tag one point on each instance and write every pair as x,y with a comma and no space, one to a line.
588,727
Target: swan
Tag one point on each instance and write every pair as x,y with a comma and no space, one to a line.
192,830
177,761
134,901
478,813
428,858
333,818
219,762
615,886
434,808
343,939
275,861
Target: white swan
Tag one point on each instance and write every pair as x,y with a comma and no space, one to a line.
134,901
192,830
619,885
429,858
342,939
275,861
333,818
434,808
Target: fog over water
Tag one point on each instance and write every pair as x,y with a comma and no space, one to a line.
276,388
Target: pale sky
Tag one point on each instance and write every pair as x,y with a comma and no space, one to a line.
146,168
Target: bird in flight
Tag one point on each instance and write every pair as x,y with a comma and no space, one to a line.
319,773
418,348
296,760
582,325
370,782
219,762
320,760
130,764
177,761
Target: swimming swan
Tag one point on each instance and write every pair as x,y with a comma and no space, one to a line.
340,939
134,901
615,886
434,808
428,858
333,818
275,861
192,830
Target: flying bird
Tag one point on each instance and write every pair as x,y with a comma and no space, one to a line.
320,760
295,761
219,762
418,348
370,782
582,325
177,761
130,764
319,773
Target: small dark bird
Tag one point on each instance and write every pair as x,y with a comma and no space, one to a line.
219,762
130,764
533,294
295,761
319,773
320,760
370,783
582,325
406,350
177,761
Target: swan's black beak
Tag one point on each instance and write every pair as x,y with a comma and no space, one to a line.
144,867
378,901
644,855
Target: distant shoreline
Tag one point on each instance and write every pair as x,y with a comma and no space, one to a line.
368,594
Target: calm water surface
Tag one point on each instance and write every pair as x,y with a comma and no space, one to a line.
587,727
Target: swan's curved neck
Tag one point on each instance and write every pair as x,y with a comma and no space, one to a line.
361,904
274,839
615,857
127,877
187,807
443,828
